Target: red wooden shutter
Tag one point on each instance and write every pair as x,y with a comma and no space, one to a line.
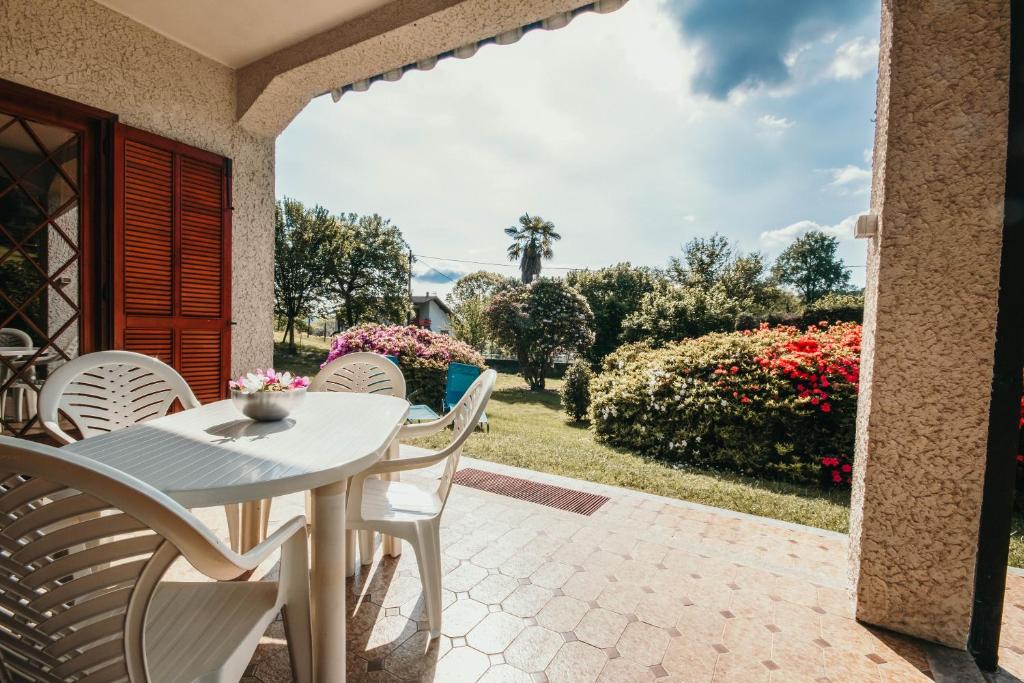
172,257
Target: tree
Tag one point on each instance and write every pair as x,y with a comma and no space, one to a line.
680,312
532,242
746,281
368,272
303,239
812,267
704,261
613,293
468,300
538,321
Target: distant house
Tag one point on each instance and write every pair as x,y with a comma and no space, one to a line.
432,312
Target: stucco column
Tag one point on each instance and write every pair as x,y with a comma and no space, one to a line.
929,327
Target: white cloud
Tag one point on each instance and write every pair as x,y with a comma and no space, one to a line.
782,237
689,218
854,58
850,179
775,124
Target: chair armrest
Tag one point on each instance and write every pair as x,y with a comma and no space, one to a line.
400,465
416,431
252,559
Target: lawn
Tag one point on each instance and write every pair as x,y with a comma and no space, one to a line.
528,429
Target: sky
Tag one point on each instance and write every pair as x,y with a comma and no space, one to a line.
633,132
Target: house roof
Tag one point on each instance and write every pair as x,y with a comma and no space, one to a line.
432,297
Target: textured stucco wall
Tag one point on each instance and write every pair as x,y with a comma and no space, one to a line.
83,51
930,314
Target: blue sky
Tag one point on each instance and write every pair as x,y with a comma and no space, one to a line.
633,132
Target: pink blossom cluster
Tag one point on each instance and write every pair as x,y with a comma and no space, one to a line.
269,380
407,342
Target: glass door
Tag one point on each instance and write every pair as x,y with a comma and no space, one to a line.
40,258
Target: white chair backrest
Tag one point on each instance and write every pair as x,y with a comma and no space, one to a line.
467,415
363,373
10,336
79,569
110,390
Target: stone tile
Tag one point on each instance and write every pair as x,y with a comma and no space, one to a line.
463,578
673,580
624,671
585,585
504,673
552,574
643,643
495,632
562,613
620,597
460,664
576,662
527,600
461,617
493,589
601,628
533,649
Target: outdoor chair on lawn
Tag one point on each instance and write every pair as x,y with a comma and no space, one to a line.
411,512
109,390
85,600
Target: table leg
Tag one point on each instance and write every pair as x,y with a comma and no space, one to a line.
391,545
250,531
327,583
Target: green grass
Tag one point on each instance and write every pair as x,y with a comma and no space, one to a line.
310,352
529,430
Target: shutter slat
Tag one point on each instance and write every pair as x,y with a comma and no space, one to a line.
148,216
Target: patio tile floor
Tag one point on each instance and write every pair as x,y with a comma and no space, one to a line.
646,589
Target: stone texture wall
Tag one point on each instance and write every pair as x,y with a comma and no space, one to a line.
939,166
83,51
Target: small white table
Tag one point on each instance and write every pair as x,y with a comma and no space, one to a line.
212,456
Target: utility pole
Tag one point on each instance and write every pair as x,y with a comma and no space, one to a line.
409,314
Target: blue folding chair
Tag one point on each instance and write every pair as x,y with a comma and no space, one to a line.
460,377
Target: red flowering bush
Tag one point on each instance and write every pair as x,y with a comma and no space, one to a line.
423,355
775,401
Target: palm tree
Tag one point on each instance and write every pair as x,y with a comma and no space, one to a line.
531,242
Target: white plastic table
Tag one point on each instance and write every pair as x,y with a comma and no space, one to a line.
212,456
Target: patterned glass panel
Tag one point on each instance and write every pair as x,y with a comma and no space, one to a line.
39,262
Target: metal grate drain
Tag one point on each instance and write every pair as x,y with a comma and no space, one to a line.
523,489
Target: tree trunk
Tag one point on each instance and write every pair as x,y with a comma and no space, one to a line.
289,332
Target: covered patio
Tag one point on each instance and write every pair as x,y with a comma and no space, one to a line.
647,588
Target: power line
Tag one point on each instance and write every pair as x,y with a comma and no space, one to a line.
512,265
442,274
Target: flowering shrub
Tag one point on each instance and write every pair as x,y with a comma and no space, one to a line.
575,392
423,355
775,401
255,382
538,321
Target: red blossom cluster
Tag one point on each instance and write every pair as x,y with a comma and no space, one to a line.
840,470
816,360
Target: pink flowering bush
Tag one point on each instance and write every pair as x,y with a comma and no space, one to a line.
775,401
423,355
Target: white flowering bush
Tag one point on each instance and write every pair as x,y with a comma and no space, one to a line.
538,321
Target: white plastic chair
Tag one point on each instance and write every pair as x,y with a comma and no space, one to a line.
13,338
109,390
10,336
413,512
84,547
361,372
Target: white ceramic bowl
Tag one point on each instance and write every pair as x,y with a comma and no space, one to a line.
268,406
